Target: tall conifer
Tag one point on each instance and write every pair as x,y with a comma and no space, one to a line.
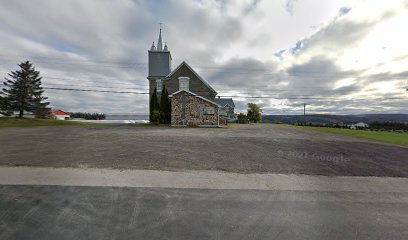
23,91
154,104
165,106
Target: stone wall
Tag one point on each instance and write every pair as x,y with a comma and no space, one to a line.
190,110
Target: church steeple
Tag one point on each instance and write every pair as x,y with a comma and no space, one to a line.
159,59
160,41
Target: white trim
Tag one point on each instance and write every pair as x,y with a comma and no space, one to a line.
179,91
228,105
218,116
203,98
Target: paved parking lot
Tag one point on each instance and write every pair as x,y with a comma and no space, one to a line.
241,149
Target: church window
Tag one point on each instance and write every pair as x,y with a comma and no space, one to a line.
184,83
159,85
209,111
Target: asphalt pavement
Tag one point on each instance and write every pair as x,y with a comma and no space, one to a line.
49,203
63,212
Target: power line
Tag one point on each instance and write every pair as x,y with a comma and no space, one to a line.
234,96
71,85
94,90
94,86
112,82
115,82
225,69
144,87
65,60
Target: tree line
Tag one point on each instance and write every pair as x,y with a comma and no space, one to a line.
389,126
254,114
88,116
376,125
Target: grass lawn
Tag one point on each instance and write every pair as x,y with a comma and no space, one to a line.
36,122
388,137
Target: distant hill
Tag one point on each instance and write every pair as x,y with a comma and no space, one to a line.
333,119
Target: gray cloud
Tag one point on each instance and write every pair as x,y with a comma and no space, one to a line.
340,35
93,44
387,76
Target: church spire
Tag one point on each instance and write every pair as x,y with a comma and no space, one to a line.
160,42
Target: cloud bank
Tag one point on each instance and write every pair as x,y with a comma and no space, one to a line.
336,56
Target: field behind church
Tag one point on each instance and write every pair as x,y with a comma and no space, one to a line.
399,138
257,148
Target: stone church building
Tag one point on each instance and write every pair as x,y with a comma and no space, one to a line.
193,100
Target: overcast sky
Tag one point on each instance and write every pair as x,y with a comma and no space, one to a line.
338,57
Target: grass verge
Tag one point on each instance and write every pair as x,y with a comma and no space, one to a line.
36,122
387,137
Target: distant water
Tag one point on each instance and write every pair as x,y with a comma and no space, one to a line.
125,119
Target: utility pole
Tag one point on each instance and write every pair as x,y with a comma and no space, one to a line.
304,109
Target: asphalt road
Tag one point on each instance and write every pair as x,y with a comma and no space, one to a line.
63,212
244,149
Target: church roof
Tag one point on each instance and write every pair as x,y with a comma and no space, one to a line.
194,72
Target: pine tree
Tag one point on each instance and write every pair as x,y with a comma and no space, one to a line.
165,106
24,92
168,108
154,105
4,108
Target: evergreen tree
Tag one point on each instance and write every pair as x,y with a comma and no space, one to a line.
4,108
168,108
165,108
23,91
154,105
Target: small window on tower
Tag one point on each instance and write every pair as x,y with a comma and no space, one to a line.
184,83
159,85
